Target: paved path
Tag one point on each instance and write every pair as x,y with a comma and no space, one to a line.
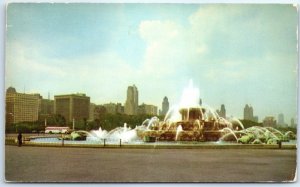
50,164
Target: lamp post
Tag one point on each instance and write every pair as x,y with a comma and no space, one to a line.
73,124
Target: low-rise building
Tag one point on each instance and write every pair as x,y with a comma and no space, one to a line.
21,107
147,109
72,106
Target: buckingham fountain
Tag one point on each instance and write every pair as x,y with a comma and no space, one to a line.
186,122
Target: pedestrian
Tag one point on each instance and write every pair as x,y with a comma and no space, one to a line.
20,139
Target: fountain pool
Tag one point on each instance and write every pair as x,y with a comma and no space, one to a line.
186,123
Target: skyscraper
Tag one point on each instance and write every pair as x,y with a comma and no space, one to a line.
280,119
293,123
200,102
165,106
132,101
248,113
222,112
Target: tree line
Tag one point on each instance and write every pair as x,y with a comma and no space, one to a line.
105,121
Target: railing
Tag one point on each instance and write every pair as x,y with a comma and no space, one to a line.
12,140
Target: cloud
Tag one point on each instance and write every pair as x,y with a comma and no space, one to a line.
234,54
26,60
227,49
238,30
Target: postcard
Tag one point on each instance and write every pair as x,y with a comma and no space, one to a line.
151,92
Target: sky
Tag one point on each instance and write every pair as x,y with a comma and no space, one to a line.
234,54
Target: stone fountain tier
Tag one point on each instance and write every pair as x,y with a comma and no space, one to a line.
193,127
192,114
170,135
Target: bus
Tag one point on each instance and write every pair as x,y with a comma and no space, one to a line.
57,130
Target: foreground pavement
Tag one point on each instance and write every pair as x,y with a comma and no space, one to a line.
58,164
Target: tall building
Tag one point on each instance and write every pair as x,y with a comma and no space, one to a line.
255,119
293,123
248,113
147,109
280,119
21,107
165,106
269,121
72,106
200,102
132,101
222,111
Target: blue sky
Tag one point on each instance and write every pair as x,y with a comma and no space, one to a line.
235,54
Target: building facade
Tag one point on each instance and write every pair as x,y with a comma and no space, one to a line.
269,121
165,106
46,106
110,108
119,108
92,108
293,122
222,111
281,119
248,112
147,109
132,101
21,107
72,106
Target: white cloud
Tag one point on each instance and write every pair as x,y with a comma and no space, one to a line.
22,59
225,48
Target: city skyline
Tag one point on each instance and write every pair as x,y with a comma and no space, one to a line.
233,58
221,112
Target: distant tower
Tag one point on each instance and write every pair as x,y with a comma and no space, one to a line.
248,113
223,111
281,119
132,102
165,106
292,122
200,102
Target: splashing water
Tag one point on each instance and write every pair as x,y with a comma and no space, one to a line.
190,121
190,96
178,130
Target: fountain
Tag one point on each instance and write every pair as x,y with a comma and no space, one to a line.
187,121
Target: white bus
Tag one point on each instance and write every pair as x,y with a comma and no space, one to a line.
56,130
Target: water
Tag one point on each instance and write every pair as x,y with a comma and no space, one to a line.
114,142
188,120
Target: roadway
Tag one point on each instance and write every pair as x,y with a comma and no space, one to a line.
58,164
